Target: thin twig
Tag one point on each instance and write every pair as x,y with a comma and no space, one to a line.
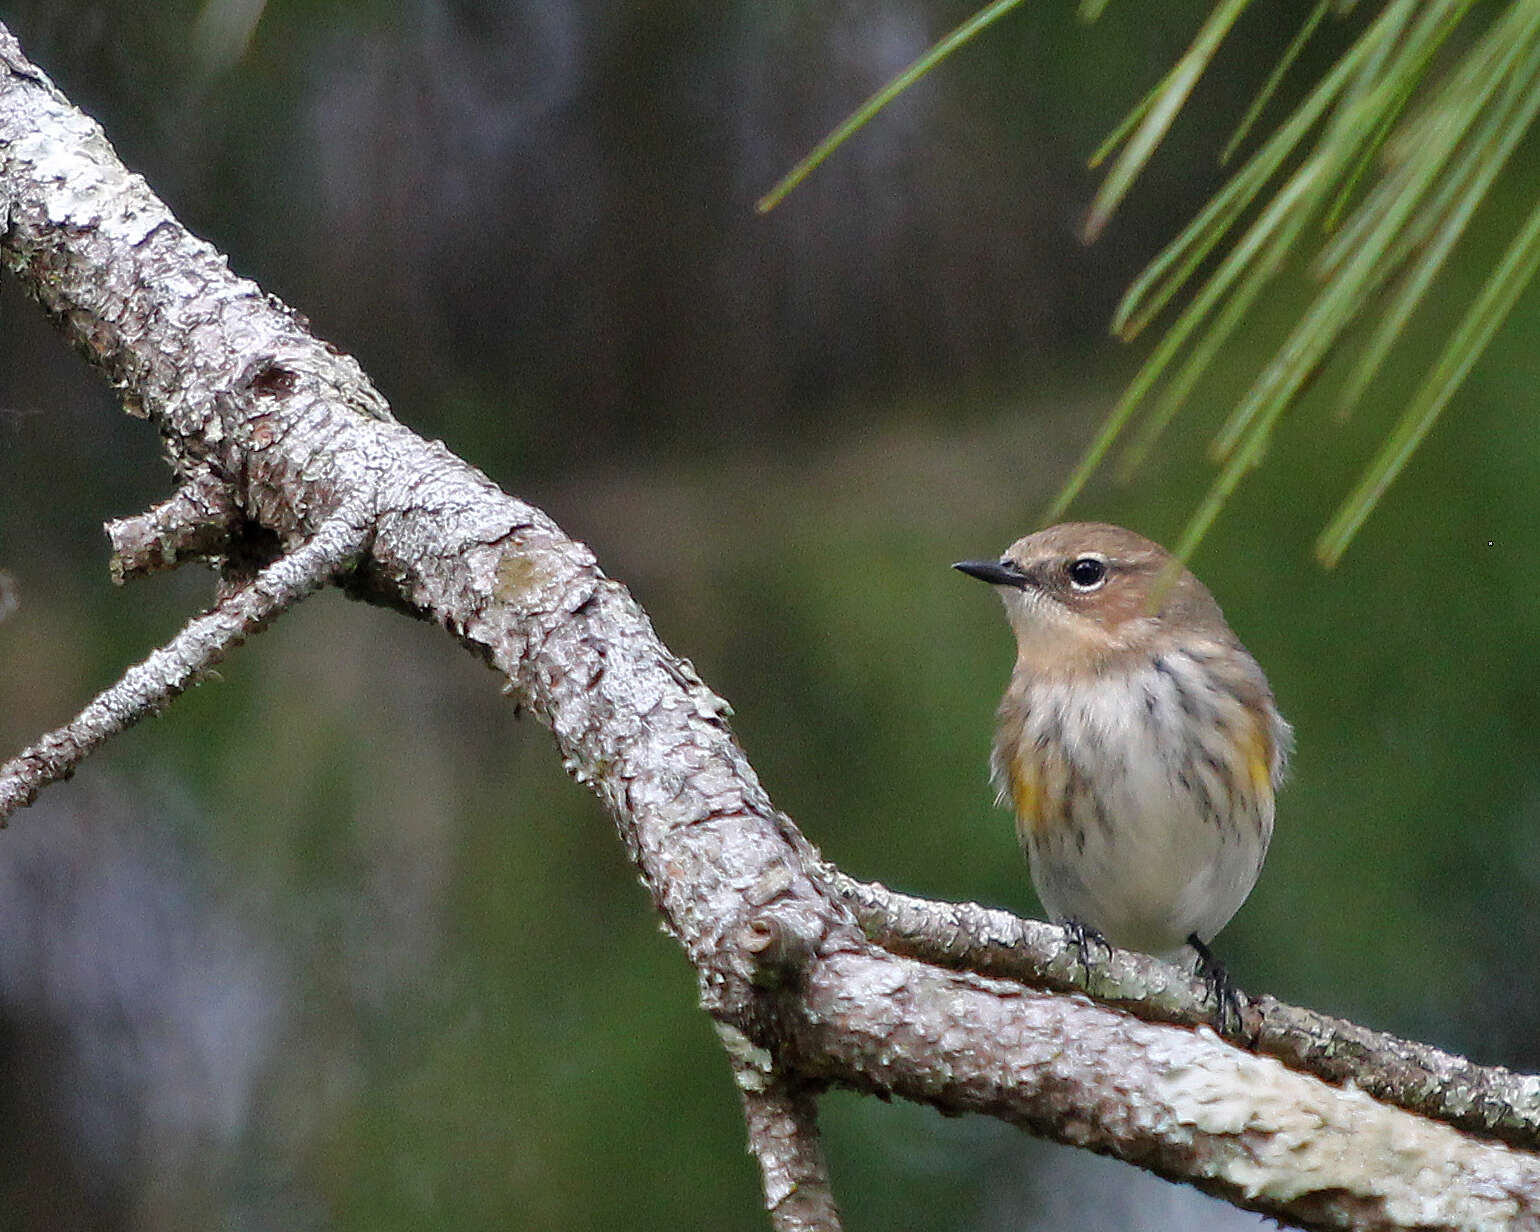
203,642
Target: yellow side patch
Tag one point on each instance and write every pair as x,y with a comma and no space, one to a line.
1027,793
1259,761
1023,792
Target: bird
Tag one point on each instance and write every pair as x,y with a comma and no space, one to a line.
1138,742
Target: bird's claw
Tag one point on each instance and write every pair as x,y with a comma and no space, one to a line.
1228,999
1085,939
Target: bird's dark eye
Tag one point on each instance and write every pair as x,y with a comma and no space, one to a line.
1087,572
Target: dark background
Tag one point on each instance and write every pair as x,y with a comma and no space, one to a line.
334,944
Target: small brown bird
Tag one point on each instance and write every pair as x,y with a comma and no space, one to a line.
1138,741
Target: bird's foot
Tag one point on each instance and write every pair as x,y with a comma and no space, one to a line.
1085,939
1228,999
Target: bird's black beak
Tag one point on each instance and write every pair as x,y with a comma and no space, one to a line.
995,572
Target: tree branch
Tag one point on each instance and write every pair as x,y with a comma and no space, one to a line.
782,1122
1487,1100
204,641
197,522
241,392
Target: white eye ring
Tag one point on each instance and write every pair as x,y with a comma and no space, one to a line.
1087,572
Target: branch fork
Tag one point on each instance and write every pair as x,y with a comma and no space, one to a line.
195,520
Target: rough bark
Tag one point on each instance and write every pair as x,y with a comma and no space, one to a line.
310,469
1486,1100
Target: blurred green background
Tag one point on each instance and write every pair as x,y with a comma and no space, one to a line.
334,943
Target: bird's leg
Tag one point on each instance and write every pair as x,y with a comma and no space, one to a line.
1085,939
1227,997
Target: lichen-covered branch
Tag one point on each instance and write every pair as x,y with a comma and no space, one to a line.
197,521
782,1121
1487,1100
204,641
243,394
1177,1101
